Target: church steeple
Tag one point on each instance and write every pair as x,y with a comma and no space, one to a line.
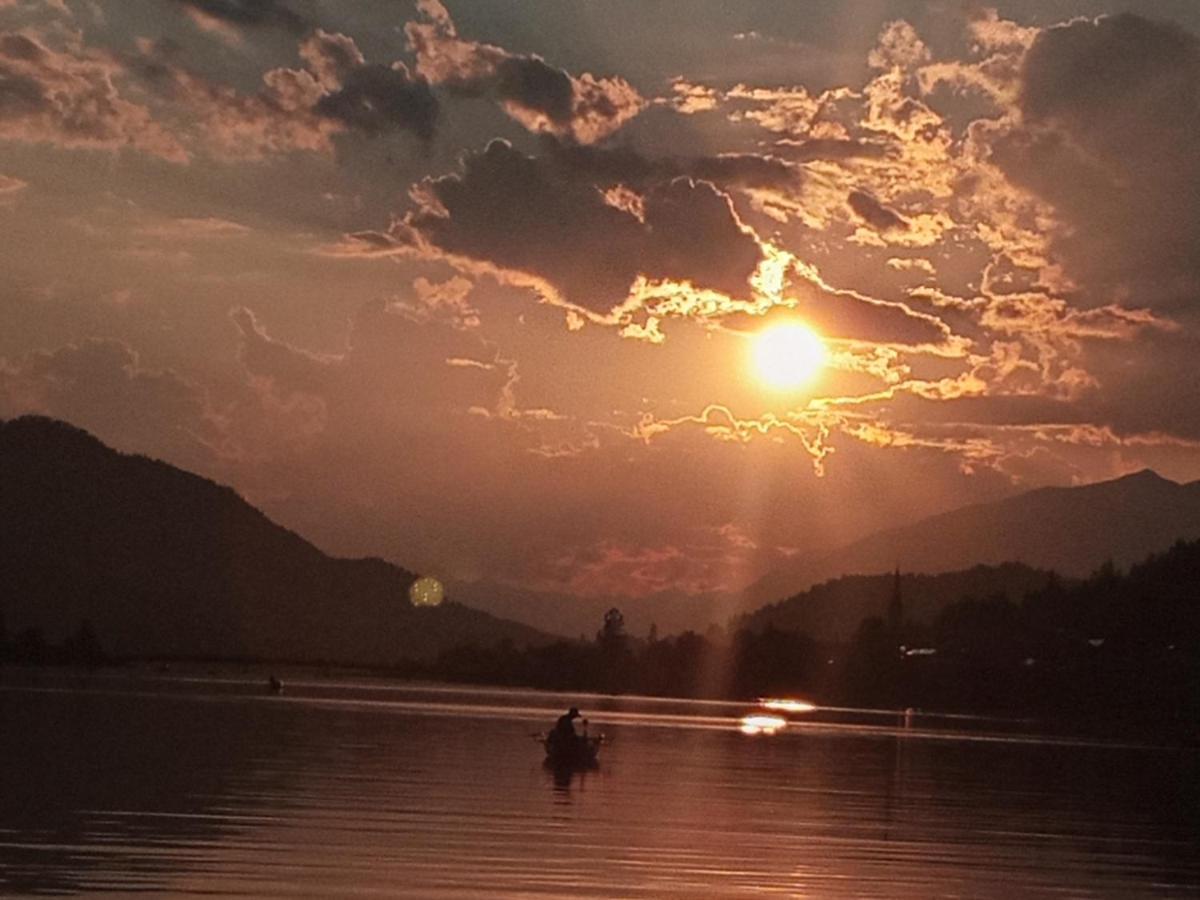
895,610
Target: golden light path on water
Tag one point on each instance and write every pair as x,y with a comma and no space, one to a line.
783,705
759,723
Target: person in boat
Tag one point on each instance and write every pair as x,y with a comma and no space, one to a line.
564,728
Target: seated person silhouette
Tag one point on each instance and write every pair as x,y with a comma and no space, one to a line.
564,728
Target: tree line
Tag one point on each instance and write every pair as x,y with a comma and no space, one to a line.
30,647
1118,649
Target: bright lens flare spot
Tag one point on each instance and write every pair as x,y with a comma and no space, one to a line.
758,724
789,355
792,706
426,591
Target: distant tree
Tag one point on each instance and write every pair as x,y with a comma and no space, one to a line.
616,658
652,636
872,668
613,630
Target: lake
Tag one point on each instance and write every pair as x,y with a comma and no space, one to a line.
160,783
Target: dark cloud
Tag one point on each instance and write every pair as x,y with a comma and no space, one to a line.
523,215
21,95
829,149
875,213
541,97
374,99
623,165
845,315
529,82
1111,122
842,314
296,109
250,13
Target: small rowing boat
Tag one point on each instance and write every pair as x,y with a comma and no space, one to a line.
575,752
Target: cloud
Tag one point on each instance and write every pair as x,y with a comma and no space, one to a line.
1108,130
101,385
875,213
248,13
542,98
813,149
911,263
10,188
393,363
445,301
847,315
527,221
375,99
898,47
627,166
190,228
68,97
721,423
297,109
296,369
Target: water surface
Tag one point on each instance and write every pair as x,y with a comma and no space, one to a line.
166,784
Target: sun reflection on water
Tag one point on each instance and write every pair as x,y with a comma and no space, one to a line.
762,724
786,705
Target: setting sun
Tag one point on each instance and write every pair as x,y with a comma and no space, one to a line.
787,356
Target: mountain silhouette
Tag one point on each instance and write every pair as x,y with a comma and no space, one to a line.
163,562
1072,530
832,610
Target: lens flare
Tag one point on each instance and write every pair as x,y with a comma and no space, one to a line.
788,355
426,591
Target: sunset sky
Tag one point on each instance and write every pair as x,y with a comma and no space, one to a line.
476,286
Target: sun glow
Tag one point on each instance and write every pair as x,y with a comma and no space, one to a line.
788,355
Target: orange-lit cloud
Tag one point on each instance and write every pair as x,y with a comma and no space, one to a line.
68,96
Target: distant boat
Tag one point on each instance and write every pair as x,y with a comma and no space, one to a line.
579,752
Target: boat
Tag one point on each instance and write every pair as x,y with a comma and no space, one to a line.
578,752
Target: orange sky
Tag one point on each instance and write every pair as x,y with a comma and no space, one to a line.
472,286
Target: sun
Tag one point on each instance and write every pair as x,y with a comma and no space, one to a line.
788,355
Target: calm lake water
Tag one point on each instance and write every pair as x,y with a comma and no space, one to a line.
163,784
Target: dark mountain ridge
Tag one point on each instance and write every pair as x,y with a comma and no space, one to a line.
1072,530
832,610
163,562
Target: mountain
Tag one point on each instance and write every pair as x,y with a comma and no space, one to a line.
1072,530
166,563
831,611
